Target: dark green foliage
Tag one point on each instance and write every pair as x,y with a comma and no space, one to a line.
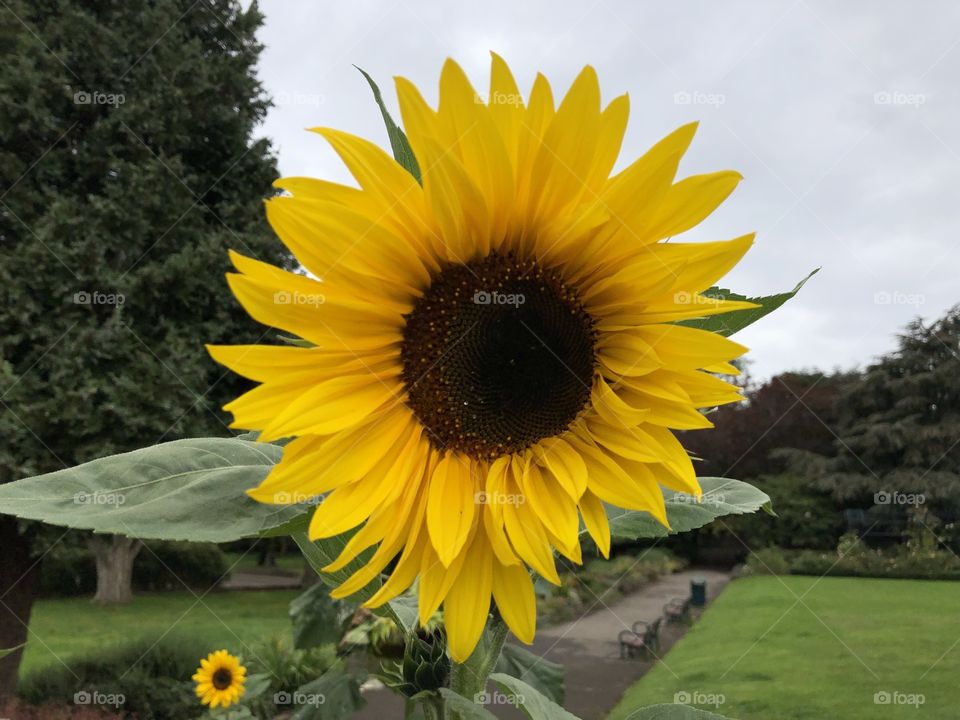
139,199
853,558
153,677
69,569
897,432
287,670
163,565
128,166
806,516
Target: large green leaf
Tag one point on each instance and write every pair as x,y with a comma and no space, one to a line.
545,676
535,705
315,617
721,496
674,712
402,152
320,553
464,708
731,322
9,651
335,695
182,490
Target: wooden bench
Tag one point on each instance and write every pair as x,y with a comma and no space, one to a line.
643,640
677,610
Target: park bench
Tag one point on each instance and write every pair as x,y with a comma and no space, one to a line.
677,610
641,641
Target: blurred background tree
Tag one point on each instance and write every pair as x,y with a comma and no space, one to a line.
129,166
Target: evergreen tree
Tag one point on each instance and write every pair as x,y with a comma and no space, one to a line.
128,168
899,429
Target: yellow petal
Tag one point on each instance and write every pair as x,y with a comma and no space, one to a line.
451,506
514,595
467,605
691,200
595,520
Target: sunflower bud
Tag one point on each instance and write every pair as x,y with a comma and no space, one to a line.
425,665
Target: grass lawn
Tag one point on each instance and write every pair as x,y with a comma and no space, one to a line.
825,656
73,628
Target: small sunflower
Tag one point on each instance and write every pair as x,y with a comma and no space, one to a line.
495,353
220,679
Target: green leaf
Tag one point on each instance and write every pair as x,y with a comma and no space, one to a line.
321,553
731,322
535,705
256,685
405,612
545,676
402,152
182,490
674,711
315,617
721,496
335,695
10,651
464,708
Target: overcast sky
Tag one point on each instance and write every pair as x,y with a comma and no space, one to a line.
842,118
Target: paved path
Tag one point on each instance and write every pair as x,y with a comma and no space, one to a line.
596,677
261,581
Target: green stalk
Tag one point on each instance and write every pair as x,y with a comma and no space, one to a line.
469,679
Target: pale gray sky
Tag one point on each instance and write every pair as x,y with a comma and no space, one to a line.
841,117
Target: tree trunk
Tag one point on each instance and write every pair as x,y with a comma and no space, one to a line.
114,555
19,571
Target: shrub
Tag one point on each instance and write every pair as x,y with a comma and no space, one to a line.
288,670
153,678
768,561
914,560
580,586
163,565
70,570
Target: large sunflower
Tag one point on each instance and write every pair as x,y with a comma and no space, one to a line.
496,353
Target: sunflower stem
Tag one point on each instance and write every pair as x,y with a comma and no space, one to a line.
469,679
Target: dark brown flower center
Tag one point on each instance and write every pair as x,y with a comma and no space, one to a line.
497,354
222,679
